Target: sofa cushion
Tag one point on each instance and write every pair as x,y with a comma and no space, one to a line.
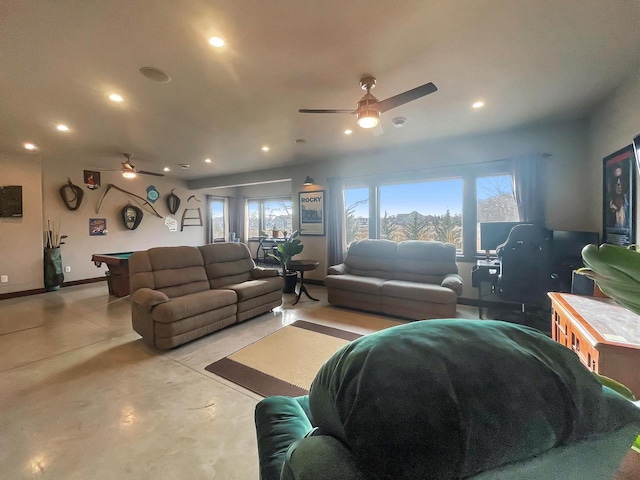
488,393
256,288
424,292
423,261
174,271
193,304
371,258
356,283
227,263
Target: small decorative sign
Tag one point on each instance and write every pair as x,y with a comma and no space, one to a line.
171,223
97,226
152,194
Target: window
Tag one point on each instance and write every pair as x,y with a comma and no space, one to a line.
218,219
495,201
429,210
269,214
447,208
356,201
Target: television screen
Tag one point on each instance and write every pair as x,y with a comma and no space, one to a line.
570,244
493,234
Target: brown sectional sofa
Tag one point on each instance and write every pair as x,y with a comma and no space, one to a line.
179,294
412,279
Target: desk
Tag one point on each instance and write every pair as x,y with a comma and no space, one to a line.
484,277
604,335
266,244
302,266
118,274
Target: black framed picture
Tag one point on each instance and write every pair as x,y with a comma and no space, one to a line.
636,147
618,188
312,216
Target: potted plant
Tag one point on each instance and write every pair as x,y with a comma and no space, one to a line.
285,250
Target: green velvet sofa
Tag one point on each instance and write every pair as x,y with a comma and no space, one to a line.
448,399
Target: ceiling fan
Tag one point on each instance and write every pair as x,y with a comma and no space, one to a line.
130,171
369,107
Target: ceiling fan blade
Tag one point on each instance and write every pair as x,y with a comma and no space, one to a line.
308,110
144,172
409,95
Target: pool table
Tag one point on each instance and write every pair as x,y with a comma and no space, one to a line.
118,274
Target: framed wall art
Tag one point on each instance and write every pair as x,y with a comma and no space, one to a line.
312,216
618,188
97,226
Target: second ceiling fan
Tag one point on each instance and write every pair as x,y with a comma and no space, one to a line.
369,107
130,171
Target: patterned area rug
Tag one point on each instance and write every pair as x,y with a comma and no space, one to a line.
285,362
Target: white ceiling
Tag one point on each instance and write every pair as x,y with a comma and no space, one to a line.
529,60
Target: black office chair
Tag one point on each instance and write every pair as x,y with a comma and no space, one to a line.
525,273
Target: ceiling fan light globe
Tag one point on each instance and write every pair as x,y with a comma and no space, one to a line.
368,121
129,174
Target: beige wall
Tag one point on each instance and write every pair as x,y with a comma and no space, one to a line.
21,238
613,126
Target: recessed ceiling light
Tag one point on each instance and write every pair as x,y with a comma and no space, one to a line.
62,128
30,146
166,169
348,132
216,42
114,97
299,140
207,160
265,149
155,74
185,166
478,104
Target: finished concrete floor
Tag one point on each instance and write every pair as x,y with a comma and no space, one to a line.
81,397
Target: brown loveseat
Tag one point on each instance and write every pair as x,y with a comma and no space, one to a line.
179,294
413,279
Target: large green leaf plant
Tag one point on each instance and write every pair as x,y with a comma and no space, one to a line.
287,249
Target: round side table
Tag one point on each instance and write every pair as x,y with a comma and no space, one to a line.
302,266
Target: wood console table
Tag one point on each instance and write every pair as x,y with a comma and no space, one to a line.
604,335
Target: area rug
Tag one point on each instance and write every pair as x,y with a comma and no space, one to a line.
285,362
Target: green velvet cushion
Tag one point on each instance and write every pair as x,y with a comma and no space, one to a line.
451,398
280,421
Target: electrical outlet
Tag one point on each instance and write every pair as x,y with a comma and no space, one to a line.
4,278
67,269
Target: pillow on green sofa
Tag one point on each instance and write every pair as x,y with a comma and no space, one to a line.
452,398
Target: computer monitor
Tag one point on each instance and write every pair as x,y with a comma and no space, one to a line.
493,234
570,244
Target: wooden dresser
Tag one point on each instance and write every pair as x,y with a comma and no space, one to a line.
604,335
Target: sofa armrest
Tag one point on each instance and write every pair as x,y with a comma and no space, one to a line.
280,421
146,297
340,269
454,282
260,272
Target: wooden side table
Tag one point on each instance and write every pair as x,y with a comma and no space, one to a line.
604,335
302,266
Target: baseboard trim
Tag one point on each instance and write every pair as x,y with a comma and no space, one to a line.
38,291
